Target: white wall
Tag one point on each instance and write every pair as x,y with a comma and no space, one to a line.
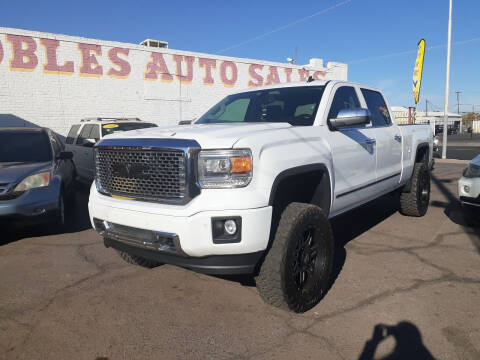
51,84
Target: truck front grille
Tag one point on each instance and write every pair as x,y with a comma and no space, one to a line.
151,175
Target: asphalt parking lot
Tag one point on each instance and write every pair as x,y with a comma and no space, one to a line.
65,296
461,146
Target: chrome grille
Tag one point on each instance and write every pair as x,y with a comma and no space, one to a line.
151,174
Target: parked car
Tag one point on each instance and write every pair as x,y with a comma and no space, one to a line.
36,175
469,191
436,144
250,186
87,132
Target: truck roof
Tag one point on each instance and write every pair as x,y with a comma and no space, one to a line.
304,83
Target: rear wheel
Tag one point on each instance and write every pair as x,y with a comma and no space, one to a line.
296,272
138,260
415,202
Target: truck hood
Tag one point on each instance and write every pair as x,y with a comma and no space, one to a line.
13,172
207,135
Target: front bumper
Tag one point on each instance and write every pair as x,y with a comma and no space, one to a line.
194,232
216,264
472,197
34,203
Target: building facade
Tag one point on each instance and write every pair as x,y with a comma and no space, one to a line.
434,118
55,80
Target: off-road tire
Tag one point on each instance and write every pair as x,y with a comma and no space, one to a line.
138,260
278,281
415,202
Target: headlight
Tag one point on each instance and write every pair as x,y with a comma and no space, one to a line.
34,181
224,168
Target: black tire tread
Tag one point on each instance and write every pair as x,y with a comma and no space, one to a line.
138,260
409,205
269,280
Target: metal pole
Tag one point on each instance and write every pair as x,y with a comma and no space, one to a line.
447,84
458,101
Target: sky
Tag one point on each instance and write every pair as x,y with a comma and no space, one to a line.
376,38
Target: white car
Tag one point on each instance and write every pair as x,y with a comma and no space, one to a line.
469,189
87,132
250,186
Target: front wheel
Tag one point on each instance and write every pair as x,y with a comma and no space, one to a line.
296,272
138,260
415,202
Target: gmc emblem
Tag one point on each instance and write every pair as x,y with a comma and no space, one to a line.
131,171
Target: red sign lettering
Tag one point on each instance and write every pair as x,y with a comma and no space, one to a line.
272,76
123,65
288,74
184,79
254,75
233,73
23,58
208,64
51,65
157,65
303,74
90,65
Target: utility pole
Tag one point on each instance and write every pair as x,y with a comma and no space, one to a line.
447,85
458,101
426,107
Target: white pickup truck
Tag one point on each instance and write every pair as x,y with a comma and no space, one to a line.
250,186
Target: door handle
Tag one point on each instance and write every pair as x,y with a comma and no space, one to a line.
398,138
370,141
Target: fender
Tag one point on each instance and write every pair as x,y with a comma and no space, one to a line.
322,195
408,186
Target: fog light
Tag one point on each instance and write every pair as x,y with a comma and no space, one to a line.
230,227
466,188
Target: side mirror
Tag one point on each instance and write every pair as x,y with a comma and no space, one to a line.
185,122
88,142
351,117
65,155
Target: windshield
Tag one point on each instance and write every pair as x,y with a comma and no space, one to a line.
472,171
294,105
23,146
117,127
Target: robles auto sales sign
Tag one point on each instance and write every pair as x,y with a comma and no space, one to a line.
28,53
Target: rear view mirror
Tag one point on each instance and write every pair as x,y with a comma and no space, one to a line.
89,142
351,117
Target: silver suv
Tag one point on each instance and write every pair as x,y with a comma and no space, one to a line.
87,132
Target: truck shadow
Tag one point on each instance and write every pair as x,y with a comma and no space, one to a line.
353,223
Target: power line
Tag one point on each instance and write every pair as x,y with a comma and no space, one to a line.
321,12
408,52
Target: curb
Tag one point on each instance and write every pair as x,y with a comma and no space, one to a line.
451,161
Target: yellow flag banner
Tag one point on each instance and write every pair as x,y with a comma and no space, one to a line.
418,70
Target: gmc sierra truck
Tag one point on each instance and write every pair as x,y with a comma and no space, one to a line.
250,186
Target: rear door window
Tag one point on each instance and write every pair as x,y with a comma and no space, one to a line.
72,134
378,108
95,133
